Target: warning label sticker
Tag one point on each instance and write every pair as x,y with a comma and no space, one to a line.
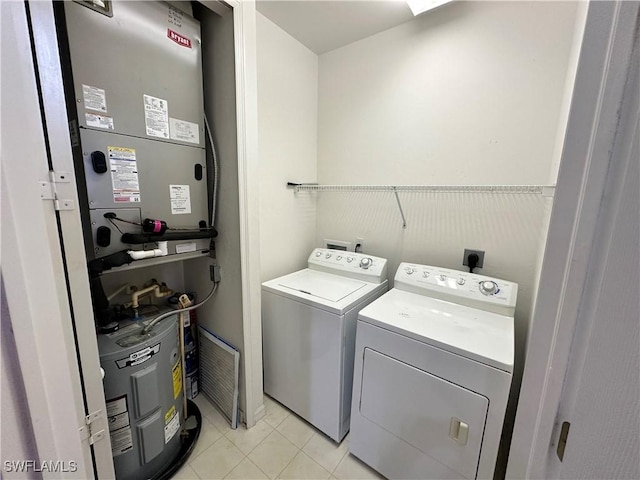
124,174
116,406
156,116
180,199
176,374
171,424
119,426
184,131
94,98
99,121
121,441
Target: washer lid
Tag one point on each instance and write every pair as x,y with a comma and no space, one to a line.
482,336
321,285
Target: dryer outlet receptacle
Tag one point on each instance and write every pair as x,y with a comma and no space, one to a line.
479,253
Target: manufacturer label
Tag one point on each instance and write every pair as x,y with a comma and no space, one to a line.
124,174
186,247
94,98
179,39
156,116
99,121
176,374
172,424
184,131
138,357
180,199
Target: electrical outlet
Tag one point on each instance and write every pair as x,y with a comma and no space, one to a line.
467,252
358,245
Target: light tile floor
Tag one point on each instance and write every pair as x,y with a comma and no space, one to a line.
281,445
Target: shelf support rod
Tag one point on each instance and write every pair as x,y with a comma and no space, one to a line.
404,220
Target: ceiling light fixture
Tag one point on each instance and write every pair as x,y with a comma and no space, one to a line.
420,6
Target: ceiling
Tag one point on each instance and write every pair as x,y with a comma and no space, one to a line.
323,26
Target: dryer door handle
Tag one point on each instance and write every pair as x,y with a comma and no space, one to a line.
459,431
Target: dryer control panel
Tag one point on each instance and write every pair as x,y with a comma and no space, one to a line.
477,291
350,264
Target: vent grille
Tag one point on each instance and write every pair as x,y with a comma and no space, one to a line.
219,368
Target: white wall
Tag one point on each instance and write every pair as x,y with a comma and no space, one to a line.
472,93
288,129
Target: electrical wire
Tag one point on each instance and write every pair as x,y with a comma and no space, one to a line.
173,229
155,321
216,179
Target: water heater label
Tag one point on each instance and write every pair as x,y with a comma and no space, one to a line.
99,121
119,425
94,98
171,424
180,199
156,116
124,174
121,441
184,131
176,374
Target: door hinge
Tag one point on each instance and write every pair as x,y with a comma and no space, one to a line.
562,441
88,431
48,190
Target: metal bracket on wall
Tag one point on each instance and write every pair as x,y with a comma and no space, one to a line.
543,190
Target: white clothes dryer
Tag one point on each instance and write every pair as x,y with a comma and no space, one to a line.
433,368
308,334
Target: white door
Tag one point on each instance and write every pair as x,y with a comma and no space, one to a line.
583,354
600,401
33,270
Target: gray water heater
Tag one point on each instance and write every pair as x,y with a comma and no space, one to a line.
135,80
143,391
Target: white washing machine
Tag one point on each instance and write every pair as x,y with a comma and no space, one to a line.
433,367
308,334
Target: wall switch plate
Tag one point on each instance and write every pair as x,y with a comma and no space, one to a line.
467,252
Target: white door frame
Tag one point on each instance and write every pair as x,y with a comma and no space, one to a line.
591,132
244,16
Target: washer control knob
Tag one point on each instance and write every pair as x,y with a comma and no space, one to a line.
442,278
339,257
488,287
349,259
328,255
425,274
365,263
461,281
318,254
409,270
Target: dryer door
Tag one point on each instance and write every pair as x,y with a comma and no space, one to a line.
440,419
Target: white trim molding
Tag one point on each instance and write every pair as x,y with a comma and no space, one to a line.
244,14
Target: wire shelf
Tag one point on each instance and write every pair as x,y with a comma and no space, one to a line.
544,190
506,189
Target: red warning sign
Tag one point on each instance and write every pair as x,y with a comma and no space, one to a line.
179,39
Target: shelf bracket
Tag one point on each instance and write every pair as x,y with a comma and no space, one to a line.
404,220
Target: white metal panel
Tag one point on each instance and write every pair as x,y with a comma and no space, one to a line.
394,457
339,306
303,357
324,286
482,336
419,408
